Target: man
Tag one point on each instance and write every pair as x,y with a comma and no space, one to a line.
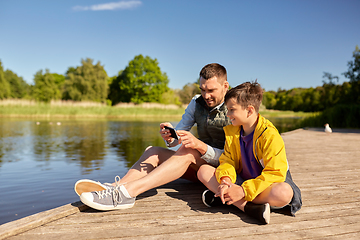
158,166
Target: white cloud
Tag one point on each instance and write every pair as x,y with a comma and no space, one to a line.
109,6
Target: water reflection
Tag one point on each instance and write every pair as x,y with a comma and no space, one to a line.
39,163
85,142
133,138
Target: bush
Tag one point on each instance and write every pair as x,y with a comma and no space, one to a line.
339,116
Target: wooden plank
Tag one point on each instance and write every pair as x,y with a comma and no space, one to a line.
324,166
33,221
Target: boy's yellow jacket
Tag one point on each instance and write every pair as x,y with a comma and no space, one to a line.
269,151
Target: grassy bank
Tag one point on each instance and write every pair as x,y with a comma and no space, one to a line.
73,110
339,116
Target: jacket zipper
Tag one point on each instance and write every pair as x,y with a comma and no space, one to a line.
256,141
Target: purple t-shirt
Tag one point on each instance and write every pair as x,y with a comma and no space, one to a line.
250,167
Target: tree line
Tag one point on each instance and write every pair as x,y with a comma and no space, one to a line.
141,81
339,104
320,98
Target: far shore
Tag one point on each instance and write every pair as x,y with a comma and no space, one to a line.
124,111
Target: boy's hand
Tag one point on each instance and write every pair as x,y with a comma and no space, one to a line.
223,189
234,194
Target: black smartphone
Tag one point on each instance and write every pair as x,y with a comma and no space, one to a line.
173,132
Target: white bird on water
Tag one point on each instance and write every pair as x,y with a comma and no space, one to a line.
327,128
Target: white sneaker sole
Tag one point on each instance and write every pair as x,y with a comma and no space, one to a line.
86,185
85,199
203,198
266,213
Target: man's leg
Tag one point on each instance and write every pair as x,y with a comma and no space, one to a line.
151,158
123,196
168,171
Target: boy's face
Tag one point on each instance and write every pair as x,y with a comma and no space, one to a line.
237,114
212,91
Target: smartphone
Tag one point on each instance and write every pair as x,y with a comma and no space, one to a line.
173,132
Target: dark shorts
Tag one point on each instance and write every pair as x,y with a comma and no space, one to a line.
296,201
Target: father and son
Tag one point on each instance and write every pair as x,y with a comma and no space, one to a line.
239,155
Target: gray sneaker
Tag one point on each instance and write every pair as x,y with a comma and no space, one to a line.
112,198
109,199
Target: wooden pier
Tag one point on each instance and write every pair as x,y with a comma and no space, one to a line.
326,167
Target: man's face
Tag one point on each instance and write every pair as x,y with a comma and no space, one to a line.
212,91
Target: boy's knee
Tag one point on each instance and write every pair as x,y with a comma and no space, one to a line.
200,173
285,192
203,174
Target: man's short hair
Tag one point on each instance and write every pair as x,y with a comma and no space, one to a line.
214,70
245,94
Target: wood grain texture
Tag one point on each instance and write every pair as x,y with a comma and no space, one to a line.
325,167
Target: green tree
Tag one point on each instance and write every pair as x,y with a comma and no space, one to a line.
311,100
331,94
188,92
269,99
45,88
87,82
282,100
59,80
114,94
141,81
4,85
18,87
295,99
170,97
353,74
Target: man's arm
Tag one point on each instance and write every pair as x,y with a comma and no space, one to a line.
212,155
186,122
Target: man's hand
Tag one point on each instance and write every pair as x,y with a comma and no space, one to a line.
165,133
189,141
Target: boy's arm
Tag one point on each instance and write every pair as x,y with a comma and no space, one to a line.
275,167
227,167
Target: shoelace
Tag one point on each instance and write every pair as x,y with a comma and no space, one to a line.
114,192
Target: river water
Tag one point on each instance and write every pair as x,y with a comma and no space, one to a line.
41,160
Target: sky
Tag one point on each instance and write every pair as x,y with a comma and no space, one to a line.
280,43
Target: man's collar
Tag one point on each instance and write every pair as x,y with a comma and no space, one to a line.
217,107
202,102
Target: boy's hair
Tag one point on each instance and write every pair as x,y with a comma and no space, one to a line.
214,70
248,93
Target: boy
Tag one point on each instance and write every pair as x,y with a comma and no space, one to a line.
253,172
